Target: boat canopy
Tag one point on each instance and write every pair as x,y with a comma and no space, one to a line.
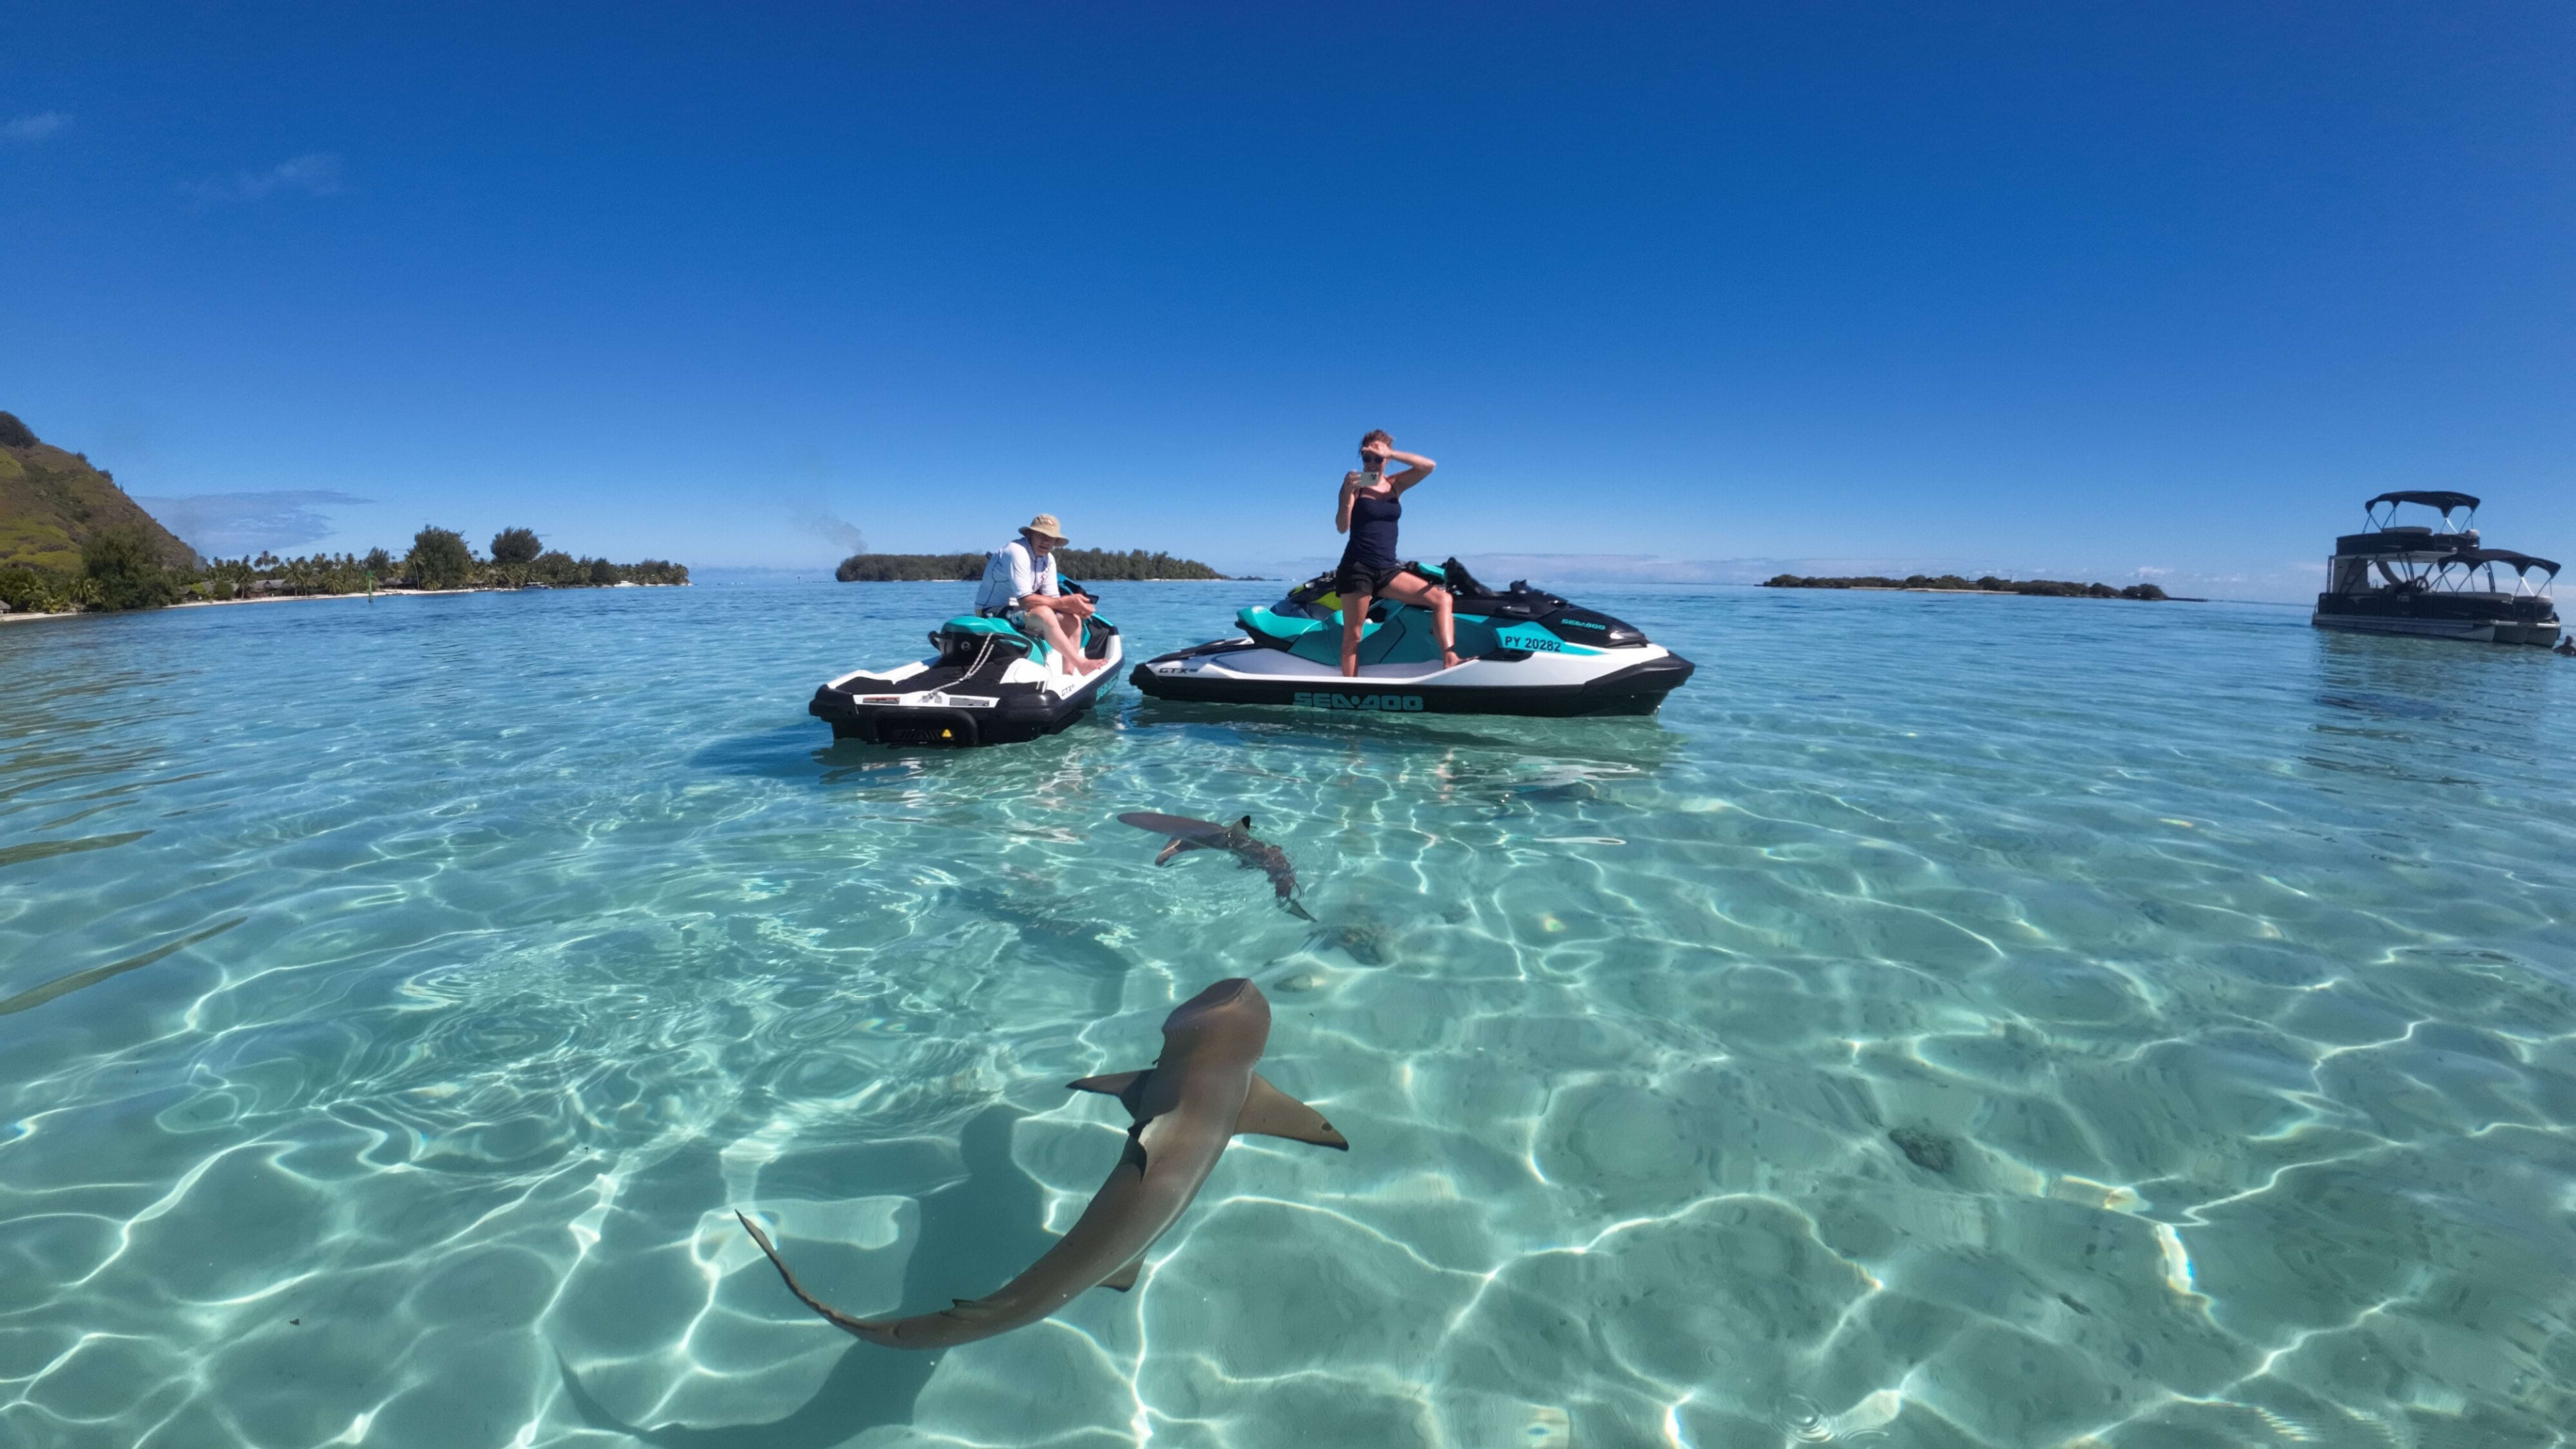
2441,500
2422,543
2519,562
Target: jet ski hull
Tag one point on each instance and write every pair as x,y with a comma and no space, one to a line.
964,696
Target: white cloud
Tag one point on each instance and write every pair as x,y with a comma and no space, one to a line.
315,173
36,127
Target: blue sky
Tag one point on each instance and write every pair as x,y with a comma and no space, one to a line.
2072,289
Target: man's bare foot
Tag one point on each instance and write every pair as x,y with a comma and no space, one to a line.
1448,659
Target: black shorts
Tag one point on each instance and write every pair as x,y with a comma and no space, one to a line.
1363,578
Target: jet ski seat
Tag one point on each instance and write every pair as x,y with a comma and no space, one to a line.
972,637
1266,625
971,634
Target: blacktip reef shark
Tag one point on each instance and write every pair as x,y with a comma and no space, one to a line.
1251,854
1187,1106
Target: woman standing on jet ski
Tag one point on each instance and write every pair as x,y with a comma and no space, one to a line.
1370,569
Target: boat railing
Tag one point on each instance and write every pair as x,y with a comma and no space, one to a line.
2474,572
2398,572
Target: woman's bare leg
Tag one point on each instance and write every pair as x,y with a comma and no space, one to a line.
1444,627
1355,609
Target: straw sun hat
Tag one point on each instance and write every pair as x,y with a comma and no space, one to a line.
1044,524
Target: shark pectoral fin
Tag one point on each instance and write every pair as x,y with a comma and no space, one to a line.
1176,847
1125,1278
1273,1113
1294,909
1127,1087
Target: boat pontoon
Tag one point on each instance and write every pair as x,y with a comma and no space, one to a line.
1522,651
2435,581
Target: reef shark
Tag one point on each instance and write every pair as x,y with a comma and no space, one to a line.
1251,854
1187,1106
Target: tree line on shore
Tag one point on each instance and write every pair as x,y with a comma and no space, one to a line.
1086,564
2048,588
121,570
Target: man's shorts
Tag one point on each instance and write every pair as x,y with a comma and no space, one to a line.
1360,578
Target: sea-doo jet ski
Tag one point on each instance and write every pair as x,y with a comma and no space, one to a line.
985,683
1523,651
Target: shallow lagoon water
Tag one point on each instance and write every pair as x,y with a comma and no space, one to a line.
1954,1021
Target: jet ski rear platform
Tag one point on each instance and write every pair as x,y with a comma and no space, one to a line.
1524,651
986,683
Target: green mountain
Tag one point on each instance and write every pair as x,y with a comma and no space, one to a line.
52,502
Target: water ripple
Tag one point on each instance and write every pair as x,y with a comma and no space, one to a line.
2084,1023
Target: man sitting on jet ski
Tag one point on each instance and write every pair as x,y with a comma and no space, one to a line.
1370,567
1020,587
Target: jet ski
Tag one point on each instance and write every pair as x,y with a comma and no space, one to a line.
1522,651
984,683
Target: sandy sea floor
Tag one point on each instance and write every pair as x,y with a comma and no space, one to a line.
1952,1022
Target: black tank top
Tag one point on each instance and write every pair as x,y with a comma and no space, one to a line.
1373,531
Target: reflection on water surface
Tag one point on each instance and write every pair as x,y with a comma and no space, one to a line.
1952,1022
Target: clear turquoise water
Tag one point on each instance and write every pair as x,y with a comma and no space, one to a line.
2215,972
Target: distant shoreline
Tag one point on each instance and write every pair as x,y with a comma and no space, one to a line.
1990,584
1091,566
1987,593
15,616
1222,578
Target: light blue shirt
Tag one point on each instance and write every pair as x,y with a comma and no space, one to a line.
1011,575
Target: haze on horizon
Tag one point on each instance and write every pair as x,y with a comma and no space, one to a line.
2044,290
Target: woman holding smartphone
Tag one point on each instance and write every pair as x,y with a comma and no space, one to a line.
1370,507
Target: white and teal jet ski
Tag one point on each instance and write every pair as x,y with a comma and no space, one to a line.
985,683
1522,651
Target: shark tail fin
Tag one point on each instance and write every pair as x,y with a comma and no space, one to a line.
1270,1112
855,1327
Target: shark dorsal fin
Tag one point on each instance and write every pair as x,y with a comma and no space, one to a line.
1244,824
1271,1112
